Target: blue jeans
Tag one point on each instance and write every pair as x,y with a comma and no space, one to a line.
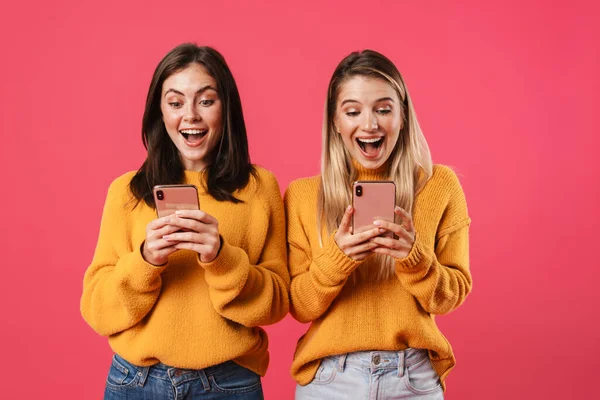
158,382
374,375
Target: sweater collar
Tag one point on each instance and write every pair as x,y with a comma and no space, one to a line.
366,174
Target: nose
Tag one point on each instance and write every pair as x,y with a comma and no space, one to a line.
191,113
370,124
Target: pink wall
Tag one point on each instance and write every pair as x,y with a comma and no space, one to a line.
506,93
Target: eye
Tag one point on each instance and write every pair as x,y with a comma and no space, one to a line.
175,104
207,103
384,111
352,113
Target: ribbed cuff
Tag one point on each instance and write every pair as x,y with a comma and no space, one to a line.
417,259
333,266
229,258
138,270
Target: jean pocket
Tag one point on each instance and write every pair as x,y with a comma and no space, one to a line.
326,372
421,378
122,375
233,378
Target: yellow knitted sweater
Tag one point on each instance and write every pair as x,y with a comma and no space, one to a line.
190,314
349,316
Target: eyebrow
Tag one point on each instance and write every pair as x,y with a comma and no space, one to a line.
376,101
202,89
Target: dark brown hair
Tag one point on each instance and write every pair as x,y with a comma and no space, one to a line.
229,167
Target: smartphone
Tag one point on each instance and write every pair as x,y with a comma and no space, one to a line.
170,198
372,200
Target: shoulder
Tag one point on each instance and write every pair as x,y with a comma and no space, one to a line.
444,173
303,187
264,177
444,182
119,187
262,188
119,195
444,189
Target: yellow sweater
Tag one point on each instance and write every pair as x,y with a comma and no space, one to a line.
190,314
388,315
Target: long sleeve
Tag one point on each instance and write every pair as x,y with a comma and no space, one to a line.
438,274
315,281
119,287
254,292
439,280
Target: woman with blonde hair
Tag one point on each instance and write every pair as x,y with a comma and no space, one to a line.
371,294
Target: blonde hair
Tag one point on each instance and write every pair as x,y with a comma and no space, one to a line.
409,164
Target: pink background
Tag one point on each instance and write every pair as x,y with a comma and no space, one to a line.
506,93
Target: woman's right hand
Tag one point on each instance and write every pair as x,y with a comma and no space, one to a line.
357,246
156,250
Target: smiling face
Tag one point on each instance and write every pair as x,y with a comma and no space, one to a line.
368,118
192,114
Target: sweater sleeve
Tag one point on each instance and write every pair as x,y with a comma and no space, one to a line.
119,287
439,278
315,281
248,293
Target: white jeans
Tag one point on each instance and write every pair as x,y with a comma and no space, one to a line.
374,375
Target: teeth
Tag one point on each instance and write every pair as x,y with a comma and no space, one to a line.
372,140
192,131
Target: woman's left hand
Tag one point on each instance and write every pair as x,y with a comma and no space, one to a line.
400,247
201,233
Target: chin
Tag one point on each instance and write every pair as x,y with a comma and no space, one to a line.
369,164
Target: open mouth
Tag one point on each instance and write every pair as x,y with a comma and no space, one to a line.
193,135
370,146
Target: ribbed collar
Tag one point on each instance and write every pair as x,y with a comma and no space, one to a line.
366,174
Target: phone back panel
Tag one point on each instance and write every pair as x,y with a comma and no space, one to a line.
370,200
170,198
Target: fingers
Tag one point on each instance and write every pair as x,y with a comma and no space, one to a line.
399,254
207,252
406,222
391,243
158,223
364,236
192,237
189,224
397,229
156,252
160,233
197,247
345,225
363,248
196,215
347,241
159,246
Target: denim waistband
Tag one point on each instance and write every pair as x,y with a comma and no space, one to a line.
380,360
174,375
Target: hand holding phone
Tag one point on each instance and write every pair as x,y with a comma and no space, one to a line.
356,246
168,200
400,246
193,229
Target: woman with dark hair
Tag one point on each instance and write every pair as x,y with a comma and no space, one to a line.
371,293
181,297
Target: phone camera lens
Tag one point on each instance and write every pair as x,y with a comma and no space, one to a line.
160,195
359,191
